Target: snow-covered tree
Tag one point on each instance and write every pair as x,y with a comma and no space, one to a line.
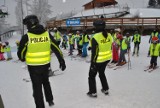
41,8
19,14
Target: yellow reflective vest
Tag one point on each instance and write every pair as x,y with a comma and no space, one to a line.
7,49
114,36
57,36
124,44
80,42
154,49
2,49
38,49
71,39
85,38
104,47
136,38
154,34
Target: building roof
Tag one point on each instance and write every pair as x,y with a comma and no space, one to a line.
101,1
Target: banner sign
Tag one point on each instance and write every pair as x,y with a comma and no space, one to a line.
73,22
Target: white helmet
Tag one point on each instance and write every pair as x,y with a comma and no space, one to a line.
117,29
55,28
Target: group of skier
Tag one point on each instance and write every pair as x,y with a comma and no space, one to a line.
77,41
120,46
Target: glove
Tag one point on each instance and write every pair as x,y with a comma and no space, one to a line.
89,48
62,66
22,60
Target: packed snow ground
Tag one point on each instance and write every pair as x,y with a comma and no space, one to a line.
132,88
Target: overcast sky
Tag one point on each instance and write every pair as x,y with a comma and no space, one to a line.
58,6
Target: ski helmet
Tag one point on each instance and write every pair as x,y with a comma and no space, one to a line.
117,30
127,34
30,21
155,39
99,25
55,28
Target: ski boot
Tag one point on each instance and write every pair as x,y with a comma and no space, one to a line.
94,95
137,54
51,103
151,66
105,92
118,64
122,63
154,67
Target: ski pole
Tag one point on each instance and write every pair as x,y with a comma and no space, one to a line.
129,60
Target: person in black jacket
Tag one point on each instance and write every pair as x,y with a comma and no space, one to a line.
33,49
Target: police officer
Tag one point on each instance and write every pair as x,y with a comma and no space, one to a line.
100,57
35,49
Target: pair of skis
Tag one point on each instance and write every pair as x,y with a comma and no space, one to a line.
53,73
114,67
151,69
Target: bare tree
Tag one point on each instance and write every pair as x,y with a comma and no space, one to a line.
19,11
36,7
41,8
2,24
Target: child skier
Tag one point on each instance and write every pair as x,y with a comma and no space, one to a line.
115,46
137,40
154,52
64,42
80,45
123,50
71,43
8,51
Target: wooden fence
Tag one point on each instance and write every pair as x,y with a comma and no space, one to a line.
88,22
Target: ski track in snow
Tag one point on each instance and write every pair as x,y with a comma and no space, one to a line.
132,88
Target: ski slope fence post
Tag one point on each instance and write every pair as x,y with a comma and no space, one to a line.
1,102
